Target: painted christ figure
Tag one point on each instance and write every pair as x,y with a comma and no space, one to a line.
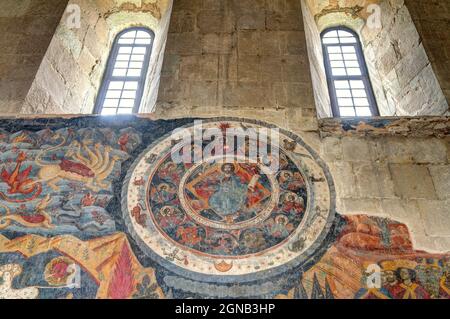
230,192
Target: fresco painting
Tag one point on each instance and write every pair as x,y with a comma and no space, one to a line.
59,181
91,208
405,273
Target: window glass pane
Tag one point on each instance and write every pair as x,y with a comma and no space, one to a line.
343,33
110,103
352,64
128,35
137,57
123,57
343,93
348,40
334,57
109,111
350,56
359,93
331,40
134,72
113,94
345,68
136,65
126,103
143,41
119,72
131,85
345,102
126,41
143,34
361,102
330,34
118,94
353,71
341,84
363,111
139,50
115,85
129,94
348,49
121,65
347,111
357,84
124,111
338,71
334,49
125,50
337,64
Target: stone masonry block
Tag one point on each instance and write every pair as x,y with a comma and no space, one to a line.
412,181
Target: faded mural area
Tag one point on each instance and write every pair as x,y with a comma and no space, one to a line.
93,208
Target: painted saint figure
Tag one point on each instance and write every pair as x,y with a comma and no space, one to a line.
163,193
374,292
408,288
279,227
444,286
230,194
444,282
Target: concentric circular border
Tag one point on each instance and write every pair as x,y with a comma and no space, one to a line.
205,222
297,262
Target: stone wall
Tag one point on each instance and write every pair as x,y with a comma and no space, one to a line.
156,62
238,57
27,26
315,54
406,75
252,62
70,74
406,179
432,20
401,73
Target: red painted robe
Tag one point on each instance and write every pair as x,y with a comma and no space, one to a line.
413,291
444,291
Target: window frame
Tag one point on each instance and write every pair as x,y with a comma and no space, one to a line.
365,76
112,59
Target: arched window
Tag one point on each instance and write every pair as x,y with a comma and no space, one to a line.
124,79
350,89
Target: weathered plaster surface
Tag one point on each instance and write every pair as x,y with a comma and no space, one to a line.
27,28
401,72
70,74
238,58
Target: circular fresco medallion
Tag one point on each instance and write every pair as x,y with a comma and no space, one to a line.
240,217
